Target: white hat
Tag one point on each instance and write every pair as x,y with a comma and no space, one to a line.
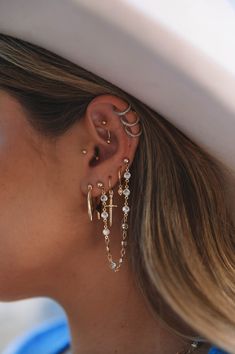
176,56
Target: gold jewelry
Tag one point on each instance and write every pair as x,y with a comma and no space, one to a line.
89,201
106,231
109,137
125,123
98,209
110,205
123,190
84,152
120,189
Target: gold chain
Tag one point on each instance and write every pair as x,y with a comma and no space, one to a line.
113,265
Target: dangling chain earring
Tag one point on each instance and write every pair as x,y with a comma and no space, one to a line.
106,231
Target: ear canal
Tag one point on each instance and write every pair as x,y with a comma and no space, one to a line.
96,156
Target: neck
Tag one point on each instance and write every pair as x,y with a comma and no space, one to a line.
106,312
110,316
105,322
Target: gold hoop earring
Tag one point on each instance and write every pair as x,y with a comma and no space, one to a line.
90,202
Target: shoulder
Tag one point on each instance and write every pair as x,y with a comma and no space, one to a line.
51,334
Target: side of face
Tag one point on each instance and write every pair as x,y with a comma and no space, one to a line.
46,237
39,207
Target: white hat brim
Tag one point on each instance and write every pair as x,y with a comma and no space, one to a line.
177,57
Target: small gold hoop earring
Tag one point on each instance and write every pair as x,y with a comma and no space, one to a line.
89,201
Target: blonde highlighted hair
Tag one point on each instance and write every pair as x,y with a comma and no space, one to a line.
181,239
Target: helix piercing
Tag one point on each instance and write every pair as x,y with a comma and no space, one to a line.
124,112
126,124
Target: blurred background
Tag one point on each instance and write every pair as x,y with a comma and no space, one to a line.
19,316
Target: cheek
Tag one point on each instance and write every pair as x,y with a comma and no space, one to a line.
33,228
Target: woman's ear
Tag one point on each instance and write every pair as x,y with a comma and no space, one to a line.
108,144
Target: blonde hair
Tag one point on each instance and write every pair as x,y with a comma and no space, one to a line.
181,239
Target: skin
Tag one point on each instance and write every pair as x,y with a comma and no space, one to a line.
48,245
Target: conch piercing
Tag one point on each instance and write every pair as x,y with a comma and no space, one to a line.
126,125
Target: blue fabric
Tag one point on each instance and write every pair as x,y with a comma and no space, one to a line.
53,337
214,350
50,337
